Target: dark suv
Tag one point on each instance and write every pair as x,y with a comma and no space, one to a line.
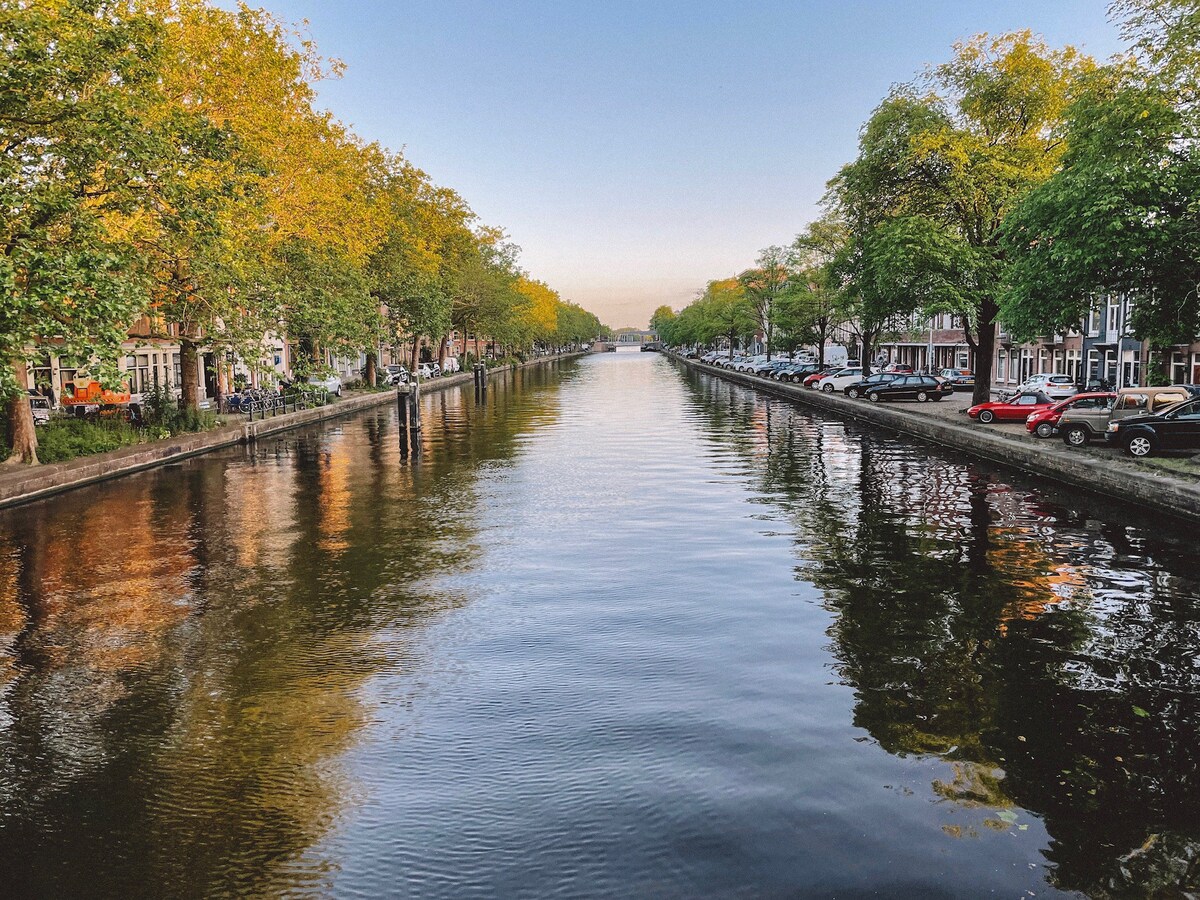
1176,428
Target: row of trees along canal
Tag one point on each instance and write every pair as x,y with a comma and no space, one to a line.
165,158
1014,183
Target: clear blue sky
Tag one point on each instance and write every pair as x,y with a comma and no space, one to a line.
636,149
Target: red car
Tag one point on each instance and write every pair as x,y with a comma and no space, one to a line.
1045,422
812,379
1015,409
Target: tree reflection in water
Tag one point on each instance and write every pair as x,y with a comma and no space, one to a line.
1044,652
183,653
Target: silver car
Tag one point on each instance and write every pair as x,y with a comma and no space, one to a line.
331,383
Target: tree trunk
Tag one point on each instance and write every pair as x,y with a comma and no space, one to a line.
868,341
22,436
416,354
442,351
224,373
189,372
371,376
985,352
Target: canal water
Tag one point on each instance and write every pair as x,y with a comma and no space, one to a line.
621,630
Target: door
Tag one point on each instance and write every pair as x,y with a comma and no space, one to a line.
1094,413
1182,429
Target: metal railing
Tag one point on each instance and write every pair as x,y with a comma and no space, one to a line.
278,404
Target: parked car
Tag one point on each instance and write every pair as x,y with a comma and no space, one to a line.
1079,427
1045,422
761,367
450,365
330,383
811,380
899,369
1056,387
1176,428
910,387
747,364
835,381
395,374
1016,409
963,379
425,371
39,406
859,388
796,372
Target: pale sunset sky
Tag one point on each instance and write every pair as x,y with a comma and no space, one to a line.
635,150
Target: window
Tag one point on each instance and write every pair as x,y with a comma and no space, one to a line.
1093,322
1027,400
1162,401
1132,401
1114,318
1001,358
1179,368
1188,411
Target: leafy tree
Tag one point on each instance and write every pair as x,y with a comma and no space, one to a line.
79,145
725,312
413,270
662,323
942,164
297,192
812,311
1120,214
762,287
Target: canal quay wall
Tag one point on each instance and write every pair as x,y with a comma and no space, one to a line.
1101,474
25,485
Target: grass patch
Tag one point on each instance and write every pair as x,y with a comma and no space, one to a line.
65,439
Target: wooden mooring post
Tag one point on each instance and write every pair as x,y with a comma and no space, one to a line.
481,381
408,400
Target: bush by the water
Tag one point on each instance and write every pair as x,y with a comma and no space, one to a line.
65,438
164,417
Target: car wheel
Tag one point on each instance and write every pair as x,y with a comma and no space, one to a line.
987,417
1140,445
873,397
852,393
1076,436
827,388
1045,429
922,396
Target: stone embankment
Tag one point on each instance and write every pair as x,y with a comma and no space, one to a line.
1103,472
26,484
